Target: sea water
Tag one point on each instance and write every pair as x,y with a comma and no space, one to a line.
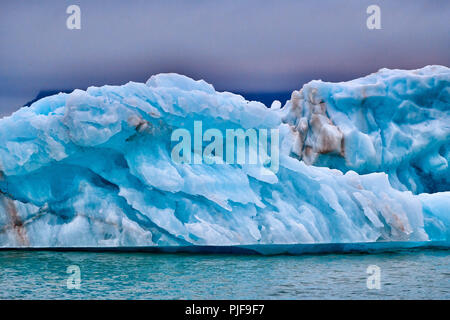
413,274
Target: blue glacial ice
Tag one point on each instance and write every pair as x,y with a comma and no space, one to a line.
391,121
362,161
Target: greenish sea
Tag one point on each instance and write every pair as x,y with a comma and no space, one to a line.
416,274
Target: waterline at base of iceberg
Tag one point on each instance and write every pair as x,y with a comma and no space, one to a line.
263,249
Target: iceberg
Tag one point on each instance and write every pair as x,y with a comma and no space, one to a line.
363,161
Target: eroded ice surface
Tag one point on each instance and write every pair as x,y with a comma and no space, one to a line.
94,168
391,121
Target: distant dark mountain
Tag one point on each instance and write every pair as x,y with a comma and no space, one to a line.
266,97
46,93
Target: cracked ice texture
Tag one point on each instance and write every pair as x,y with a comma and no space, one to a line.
392,121
93,168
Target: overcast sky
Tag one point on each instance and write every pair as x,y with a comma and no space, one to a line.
241,46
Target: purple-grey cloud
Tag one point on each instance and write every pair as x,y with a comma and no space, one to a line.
245,46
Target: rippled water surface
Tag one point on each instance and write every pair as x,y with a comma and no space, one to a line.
113,275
